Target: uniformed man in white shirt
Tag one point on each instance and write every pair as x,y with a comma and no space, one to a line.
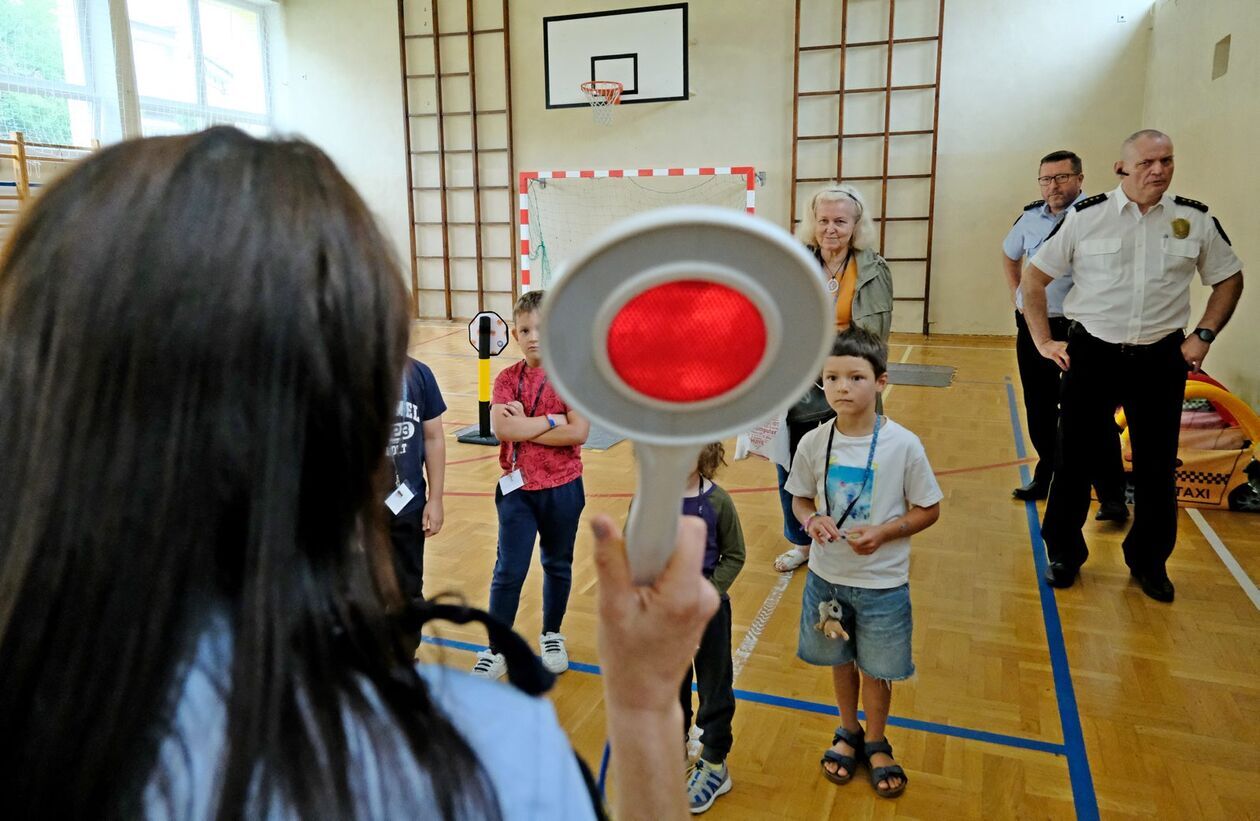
1060,176
1132,252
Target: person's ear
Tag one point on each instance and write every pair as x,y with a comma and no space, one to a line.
882,381
1119,169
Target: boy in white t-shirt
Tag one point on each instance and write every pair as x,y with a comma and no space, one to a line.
876,490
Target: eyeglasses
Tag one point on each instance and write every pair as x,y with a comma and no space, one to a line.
1059,178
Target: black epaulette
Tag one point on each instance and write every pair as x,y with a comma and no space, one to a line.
1088,201
1195,204
1030,206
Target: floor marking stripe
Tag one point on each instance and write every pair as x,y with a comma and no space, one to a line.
1235,569
740,657
1083,795
825,709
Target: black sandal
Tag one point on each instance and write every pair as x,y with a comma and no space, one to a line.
848,762
888,773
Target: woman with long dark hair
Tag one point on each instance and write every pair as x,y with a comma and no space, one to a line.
200,343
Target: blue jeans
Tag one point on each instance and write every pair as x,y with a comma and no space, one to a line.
792,530
551,515
878,621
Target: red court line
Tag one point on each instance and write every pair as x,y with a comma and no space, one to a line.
949,472
434,339
494,455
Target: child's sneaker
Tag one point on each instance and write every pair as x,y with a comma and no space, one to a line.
705,783
554,657
489,665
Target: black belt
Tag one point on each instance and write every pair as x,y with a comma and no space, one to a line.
1078,334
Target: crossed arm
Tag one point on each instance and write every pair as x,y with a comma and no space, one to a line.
512,425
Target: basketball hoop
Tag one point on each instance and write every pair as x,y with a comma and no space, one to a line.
602,95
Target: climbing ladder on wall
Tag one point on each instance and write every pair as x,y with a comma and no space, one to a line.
865,112
459,156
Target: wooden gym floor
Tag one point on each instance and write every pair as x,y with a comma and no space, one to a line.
1094,701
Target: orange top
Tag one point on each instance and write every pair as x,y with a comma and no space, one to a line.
844,297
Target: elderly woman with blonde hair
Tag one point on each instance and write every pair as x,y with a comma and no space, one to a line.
838,229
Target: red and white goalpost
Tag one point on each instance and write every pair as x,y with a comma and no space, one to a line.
560,211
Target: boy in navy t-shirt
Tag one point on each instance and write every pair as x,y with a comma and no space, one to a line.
416,448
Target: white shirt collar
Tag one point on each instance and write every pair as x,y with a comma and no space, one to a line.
1121,200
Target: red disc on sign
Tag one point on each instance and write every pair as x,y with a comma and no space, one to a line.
686,341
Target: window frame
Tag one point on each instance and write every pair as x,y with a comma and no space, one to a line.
214,115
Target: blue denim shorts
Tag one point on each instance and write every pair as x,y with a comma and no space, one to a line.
878,622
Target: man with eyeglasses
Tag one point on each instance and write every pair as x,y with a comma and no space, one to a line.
1132,253
1060,178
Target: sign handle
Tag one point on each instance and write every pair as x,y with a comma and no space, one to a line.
653,525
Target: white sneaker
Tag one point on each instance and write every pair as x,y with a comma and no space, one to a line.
554,657
489,665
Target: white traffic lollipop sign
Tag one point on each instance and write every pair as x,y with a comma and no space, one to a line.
679,327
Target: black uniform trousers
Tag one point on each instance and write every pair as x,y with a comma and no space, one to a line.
406,532
715,684
1150,382
1040,378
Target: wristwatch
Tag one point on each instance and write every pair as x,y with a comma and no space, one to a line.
1206,334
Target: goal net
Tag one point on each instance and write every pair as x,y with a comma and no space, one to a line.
563,211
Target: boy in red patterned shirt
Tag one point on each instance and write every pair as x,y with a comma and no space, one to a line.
540,493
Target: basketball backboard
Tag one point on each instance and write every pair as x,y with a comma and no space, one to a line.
644,49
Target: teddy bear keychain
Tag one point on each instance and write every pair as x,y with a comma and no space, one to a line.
829,615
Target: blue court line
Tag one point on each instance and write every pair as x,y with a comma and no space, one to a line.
1083,795
603,769
824,709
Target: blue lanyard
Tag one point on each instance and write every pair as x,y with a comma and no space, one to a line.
866,476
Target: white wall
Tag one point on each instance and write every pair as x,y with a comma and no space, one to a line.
1213,124
1021,80
342,90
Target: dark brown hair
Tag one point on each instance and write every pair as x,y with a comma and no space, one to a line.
862,343
200,342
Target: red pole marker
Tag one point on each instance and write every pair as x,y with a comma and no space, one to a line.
679,327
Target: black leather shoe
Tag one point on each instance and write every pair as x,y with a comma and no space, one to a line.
1032,491
1061,575
1112,512
1156,585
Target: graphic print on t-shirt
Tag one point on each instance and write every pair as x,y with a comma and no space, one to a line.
843,482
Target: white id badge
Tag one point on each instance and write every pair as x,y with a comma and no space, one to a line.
513,481
397,500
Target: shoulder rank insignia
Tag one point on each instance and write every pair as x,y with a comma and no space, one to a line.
1088,201
1030,206
1195,204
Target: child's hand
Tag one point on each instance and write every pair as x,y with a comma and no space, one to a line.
865,539
514,408
823,529
433,517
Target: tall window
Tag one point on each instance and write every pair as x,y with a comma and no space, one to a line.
196,63
200,63
47,87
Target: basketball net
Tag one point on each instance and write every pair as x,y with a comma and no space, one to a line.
602,95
